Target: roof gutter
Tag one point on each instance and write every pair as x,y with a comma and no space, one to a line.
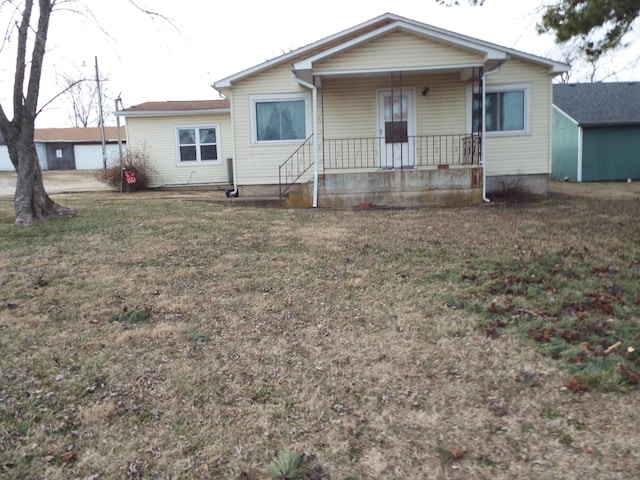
314,110
165,113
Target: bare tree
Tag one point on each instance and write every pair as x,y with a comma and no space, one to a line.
29,22
31,200
81,97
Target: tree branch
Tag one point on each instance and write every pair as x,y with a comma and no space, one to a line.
59,94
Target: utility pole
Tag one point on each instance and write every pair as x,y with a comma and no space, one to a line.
101,118
119,100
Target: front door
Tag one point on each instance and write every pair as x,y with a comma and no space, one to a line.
396,129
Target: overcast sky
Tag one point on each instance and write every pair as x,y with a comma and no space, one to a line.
153,60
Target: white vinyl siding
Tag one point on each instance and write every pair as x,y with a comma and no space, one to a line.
350,104
156,136
351,109
398,50
523,154
257,163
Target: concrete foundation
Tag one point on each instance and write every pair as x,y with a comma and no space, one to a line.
401,188
536,184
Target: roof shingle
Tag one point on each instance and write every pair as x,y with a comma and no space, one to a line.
78,135
179,105
600,104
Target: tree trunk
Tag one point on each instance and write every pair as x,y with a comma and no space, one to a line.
31,200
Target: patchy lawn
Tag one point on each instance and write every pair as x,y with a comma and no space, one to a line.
156,337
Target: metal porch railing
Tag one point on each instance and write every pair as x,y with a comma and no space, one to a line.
295,166
419,151
375,153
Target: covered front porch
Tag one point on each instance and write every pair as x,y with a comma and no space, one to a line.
391,139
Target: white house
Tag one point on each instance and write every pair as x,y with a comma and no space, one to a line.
389,112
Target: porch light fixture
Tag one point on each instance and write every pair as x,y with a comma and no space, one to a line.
425,90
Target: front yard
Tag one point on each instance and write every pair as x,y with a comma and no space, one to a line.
156,336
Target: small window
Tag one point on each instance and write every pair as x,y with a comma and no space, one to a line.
280,118
197,144
506,110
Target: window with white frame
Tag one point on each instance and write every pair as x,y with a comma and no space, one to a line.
198,144
279,118
507,109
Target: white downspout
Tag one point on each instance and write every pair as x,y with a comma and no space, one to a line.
314,112
484,133
234,171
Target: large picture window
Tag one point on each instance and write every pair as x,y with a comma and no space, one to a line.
279,118
197,144
507,109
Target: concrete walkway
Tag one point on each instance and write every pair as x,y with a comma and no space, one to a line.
55,181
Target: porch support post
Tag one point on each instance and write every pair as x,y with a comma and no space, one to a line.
483,132
314,108
314,134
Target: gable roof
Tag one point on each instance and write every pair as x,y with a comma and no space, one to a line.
599,104
78,135
303,57
176,107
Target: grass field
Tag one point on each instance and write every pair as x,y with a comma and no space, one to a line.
157,337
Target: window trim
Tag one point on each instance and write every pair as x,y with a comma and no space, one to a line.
198,161
500,88
281,97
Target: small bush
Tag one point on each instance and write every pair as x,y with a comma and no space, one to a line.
133,177
512,191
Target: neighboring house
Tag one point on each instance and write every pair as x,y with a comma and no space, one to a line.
596,131
5,161
187,142
388,112
71,148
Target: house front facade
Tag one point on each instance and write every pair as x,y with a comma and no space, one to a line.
390,112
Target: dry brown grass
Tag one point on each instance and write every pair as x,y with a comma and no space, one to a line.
343,334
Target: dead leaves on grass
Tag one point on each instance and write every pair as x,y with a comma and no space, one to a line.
449,455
